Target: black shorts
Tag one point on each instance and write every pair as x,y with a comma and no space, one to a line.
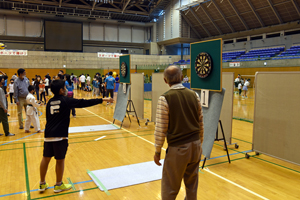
56,149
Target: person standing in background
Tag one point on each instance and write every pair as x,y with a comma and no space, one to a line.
11,90
46,85
3,110
20,92
88,80
117,78
110,85
42,91
37,87
70,87
14,77
32,112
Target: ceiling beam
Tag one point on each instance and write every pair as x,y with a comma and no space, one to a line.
238,14
275,12
158,2
94,4
199,21
85,3
139,7
60,1
221,13
86,7
296,6
209,17
190,24
255,13
124,7
114,6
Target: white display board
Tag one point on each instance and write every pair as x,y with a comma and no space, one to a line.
159,87
137,93
276,115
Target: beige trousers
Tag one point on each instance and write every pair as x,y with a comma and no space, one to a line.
22,103
181,162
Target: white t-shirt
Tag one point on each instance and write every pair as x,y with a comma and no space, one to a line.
46,82
11,88
240,86
88,78
237,80
247,83
82,79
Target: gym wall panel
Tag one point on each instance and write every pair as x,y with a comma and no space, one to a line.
138,34
227,107
96,31
160,28
124,34
159,87
33,27
168,23
2,28
15,26
85,31
137,93
276,115
111,33
176,20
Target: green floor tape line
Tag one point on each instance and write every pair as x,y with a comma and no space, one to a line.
70,182
201,171
115,126
277,164
26,172
243,119
241,140
224,162
98,181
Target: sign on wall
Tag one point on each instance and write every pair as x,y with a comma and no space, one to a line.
109,55
234,64
13,52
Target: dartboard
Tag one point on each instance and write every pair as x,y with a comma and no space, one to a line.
203,65
123,69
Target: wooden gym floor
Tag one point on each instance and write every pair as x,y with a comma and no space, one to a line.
260,177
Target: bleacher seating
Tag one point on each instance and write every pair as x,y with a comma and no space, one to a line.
228,56
291,53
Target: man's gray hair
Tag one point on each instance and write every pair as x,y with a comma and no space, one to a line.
173,74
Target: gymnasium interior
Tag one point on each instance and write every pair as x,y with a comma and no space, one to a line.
254,153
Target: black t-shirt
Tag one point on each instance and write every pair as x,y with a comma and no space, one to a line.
58,114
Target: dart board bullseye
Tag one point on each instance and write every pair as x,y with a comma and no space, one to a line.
203,65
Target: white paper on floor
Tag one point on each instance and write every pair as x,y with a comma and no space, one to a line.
128,175
80,129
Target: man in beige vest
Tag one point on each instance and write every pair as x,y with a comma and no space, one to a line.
179,119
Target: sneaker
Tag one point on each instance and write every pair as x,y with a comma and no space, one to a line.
31,126
74,116
62,187
107,103
8,114
43,187
1,134
10,134
21,127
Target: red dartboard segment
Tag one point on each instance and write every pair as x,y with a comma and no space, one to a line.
203,65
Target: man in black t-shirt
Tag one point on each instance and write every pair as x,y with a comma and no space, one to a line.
57,130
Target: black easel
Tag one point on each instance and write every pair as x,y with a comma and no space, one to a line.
218,139
129,103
